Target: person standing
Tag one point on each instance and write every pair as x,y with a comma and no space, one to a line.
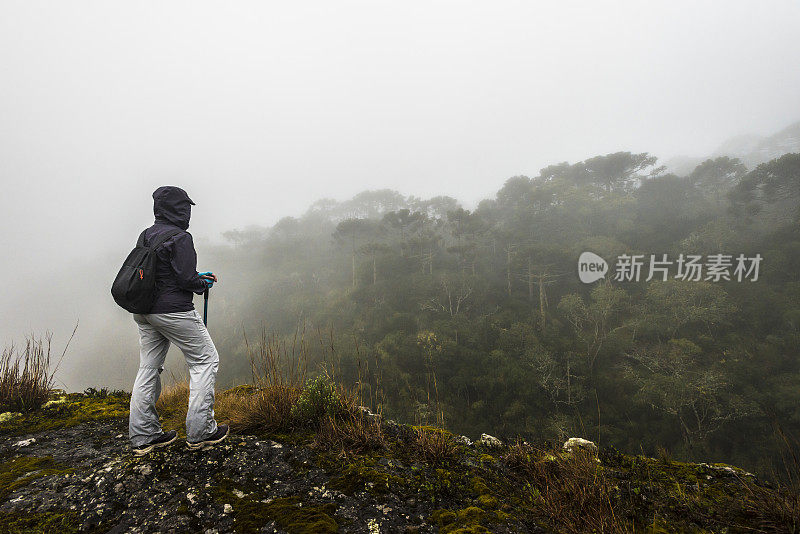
173,319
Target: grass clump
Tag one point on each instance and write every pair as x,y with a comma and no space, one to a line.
435,446
351,434
281,401
25,375
614,492
571,491
172,405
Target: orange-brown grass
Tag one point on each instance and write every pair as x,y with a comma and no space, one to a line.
776,510
569,490
250,409
172,405
434,446
258,409
350,434
274,363
233,405
278,371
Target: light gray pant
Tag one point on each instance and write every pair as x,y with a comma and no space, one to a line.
187,331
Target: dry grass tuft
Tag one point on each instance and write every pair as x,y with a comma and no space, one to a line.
279,371
172,405
258,409
25,376
280,399
352,434
435,446
775,510
570,490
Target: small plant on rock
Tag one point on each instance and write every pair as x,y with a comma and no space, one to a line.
318,399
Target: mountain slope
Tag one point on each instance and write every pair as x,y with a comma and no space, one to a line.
750,149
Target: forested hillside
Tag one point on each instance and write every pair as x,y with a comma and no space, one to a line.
479,316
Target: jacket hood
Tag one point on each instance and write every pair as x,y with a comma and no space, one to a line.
172,205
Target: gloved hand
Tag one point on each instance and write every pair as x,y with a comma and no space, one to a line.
209,278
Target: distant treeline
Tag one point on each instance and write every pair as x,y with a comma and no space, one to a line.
479,316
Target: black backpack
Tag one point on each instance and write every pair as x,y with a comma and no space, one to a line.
134,288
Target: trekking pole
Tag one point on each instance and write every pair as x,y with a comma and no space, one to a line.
205,307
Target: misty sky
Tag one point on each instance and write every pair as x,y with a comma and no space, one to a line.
258,109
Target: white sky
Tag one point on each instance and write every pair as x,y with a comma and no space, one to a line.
260,108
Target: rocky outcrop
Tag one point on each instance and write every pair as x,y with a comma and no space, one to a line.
290,488
75,473
178,490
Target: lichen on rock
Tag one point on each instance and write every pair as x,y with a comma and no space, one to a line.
68,468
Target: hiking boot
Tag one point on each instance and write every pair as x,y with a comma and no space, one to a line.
213,439
161,441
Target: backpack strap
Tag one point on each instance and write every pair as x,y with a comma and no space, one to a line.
160,240
140,241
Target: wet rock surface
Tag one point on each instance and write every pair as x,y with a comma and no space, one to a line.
82,477
178,490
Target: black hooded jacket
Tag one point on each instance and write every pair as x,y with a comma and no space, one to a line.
176,271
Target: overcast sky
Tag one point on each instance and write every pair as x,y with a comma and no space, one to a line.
259,108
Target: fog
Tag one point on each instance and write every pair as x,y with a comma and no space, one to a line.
258,110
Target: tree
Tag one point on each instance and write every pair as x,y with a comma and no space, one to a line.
773,187
404,221
620,170
671,380
351,231
374,204
716,177
372,250
667,209
436,207
515,192
466,228
425,243
682,308
592,322
454,292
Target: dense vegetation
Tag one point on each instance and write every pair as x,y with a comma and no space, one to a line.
479,318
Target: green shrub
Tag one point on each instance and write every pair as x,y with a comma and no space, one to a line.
318,399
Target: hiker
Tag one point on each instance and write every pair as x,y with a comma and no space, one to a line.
173,319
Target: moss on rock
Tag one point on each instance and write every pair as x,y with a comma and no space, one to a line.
69,410
363,474
423,472
469,520
291,515
19,471
38,523
251,511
